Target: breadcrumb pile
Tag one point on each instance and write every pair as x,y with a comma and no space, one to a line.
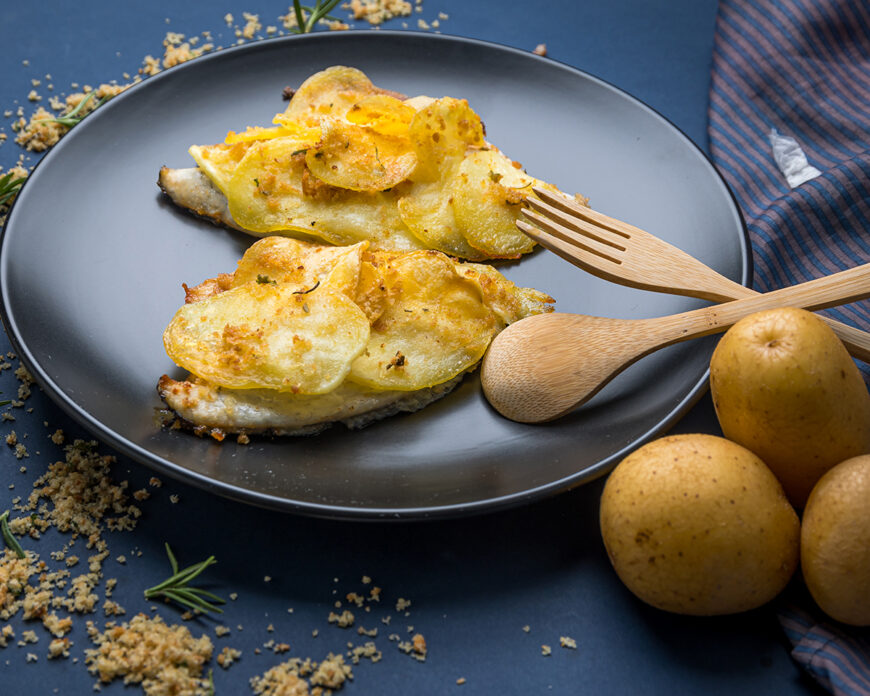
163,659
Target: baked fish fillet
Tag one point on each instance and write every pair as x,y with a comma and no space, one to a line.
265,411
302,335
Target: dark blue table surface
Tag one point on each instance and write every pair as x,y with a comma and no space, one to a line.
474,583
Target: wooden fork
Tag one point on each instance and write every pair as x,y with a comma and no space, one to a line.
627,255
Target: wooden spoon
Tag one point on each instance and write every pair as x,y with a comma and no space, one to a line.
544,366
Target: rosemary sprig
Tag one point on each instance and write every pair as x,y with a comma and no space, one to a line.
74,116
9,187
8,537
320,11
177,588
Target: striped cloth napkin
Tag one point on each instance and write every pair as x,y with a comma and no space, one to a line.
789,128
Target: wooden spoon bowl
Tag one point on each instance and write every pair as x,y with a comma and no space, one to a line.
545,366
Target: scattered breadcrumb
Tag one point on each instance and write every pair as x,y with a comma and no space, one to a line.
343,620
59,647
460,681
289,678
228,656
376,12
568,642
540,50
546,650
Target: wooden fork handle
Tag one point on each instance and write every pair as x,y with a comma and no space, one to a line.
857,342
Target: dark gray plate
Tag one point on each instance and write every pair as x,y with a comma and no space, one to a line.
93,257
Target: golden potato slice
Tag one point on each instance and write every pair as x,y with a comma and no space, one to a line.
264,335
503,297
378,284
279,131
303,264
421,101
441,133
436,328
487,198
218,162
272,191
330,92
427,211
383,114
358,158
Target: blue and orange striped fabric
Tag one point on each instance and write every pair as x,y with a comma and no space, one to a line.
801,68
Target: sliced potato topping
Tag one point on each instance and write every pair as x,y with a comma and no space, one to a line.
487,195
219,161
303,318
330,92
272,190
383,114
358,158
348,162
261,335
438,327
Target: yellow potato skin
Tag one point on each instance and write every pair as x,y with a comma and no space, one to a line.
784,386
835,542
695,524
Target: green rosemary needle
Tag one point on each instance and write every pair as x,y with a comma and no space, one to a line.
177,587
71,118
9,187
320,11
8,537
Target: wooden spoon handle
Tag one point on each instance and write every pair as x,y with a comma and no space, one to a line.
857,342
829,291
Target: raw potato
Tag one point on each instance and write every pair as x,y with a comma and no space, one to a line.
784,387
695,524
835,542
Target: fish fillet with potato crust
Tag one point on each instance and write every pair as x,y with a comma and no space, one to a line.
302,335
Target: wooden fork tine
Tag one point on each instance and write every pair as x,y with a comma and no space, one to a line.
589,242
566,250
570,221
572,208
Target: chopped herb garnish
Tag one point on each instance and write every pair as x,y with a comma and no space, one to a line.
265,280
305,292
177,588
299,152
9,187
9,538
320,11
305,307
495,176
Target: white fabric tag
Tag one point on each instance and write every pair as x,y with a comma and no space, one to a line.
791,160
